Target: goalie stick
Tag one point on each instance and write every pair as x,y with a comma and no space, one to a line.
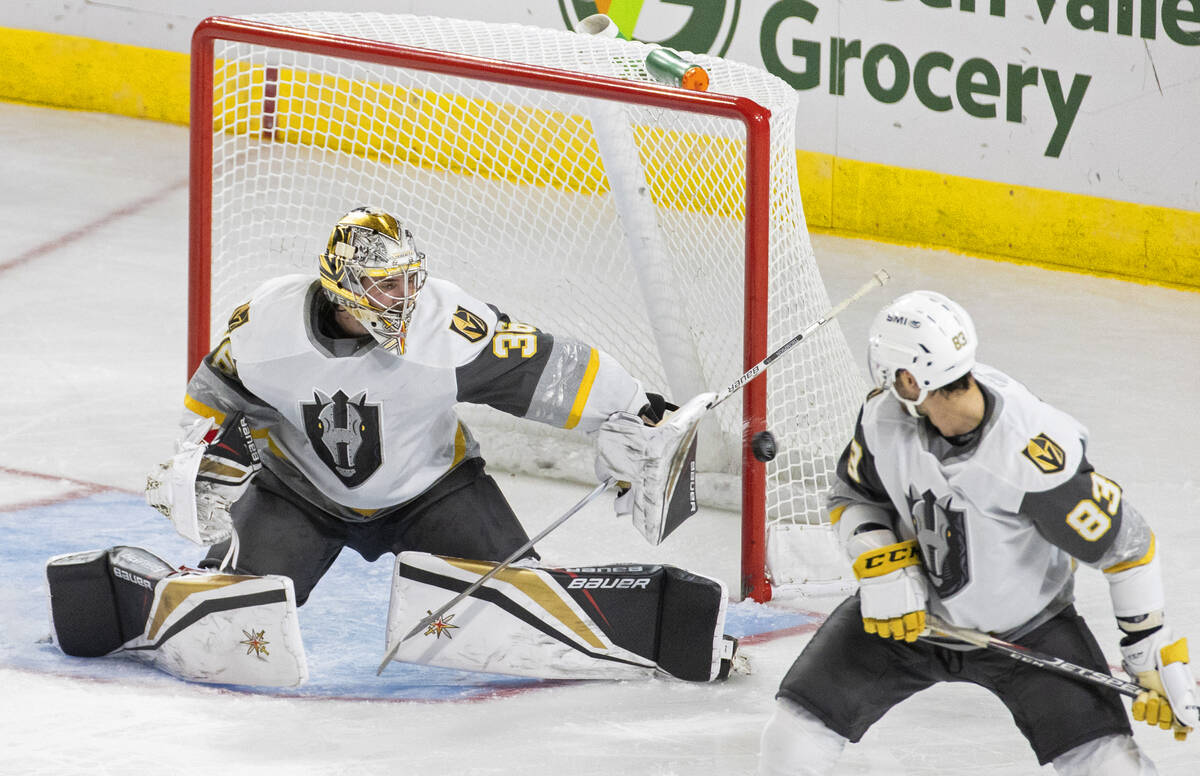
878,279
939,627
432,617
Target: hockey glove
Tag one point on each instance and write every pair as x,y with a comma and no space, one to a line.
197,486
653,463
891,587
1159,663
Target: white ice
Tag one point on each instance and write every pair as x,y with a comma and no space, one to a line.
93,222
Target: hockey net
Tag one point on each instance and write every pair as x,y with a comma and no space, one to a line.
546,173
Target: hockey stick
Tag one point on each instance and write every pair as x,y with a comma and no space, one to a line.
940,627
878,279
432,617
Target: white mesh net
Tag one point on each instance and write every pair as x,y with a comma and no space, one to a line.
617,224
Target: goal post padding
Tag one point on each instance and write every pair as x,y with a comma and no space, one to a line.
545,172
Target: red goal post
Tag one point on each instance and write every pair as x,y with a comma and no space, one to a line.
238,104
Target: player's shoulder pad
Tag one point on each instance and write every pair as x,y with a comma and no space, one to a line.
1042,445
881,408
270,323
449,326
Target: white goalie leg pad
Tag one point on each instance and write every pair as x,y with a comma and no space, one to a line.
199,626
619,622
796,743
225,629
1113,755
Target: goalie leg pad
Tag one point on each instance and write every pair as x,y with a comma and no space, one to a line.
100,599
214,628
612,622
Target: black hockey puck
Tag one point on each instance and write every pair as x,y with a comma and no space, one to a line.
763,446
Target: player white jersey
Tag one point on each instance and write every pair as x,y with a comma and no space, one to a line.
357,429
998,515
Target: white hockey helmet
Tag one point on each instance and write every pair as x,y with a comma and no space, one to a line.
373,269
926,334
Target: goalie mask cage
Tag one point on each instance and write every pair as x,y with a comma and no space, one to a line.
546,173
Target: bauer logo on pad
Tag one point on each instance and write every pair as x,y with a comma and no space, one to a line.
468,324
1045,454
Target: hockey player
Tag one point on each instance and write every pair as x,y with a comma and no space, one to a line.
350,383
964,495
324,419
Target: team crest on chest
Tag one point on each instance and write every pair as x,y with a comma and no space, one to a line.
468,324
1045,454
942,536
344,432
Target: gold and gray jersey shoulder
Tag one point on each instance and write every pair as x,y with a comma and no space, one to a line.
550,379
1089,517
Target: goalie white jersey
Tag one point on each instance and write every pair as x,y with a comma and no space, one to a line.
357,429
1000,516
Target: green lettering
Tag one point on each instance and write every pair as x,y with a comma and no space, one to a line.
1065,110
995,7
841,51
966,87
1096,20
921,87
1046,6
1018,78
937,3
900,82
808,51
1173,12
1149,19
1125,17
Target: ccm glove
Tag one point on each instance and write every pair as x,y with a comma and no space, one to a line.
1159,663
891,587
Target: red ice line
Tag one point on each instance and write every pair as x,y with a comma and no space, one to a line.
82,488
82,231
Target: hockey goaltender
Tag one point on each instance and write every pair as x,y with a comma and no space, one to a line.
325,419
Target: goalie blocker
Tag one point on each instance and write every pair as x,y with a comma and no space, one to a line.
609,622
200,626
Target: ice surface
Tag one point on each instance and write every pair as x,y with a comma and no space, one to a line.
93,217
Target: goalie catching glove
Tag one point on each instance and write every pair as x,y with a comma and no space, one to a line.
1159,663
655,464
196,488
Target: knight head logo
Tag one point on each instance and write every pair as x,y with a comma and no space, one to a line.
344,432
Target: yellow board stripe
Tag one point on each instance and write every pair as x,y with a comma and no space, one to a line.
845,197
585,388
532,585
1129,564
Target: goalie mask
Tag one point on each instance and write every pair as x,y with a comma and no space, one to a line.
372,268
925,334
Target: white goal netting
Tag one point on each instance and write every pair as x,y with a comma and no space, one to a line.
617,223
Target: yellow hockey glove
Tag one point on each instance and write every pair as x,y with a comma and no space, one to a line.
892,591
1159,662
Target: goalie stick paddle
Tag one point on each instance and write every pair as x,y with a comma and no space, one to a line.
939,627
433,616
878,279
